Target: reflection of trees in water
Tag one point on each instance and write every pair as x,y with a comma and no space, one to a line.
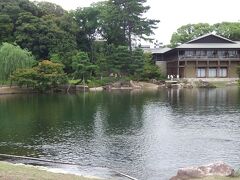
50,119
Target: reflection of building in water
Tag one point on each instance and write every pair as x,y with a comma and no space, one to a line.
203,98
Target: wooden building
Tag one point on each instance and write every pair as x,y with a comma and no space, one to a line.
209,56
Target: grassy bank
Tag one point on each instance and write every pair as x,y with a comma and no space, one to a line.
21,172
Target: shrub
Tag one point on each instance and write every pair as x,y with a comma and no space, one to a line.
44,77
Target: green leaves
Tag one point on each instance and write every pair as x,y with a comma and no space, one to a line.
11,58
82,66
44,77
190,31
230,30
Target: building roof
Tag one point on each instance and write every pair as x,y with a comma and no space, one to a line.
210,41
157,50
209,46
211,34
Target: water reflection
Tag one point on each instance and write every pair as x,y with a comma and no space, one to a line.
148,135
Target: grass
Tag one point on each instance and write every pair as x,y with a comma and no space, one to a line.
20,172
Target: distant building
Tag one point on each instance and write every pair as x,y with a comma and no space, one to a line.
209,56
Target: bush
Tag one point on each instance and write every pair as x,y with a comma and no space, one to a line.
150,71
44,77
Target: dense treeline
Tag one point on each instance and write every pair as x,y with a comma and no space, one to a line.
230,30
72,38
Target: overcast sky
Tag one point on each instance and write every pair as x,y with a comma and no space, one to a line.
175,13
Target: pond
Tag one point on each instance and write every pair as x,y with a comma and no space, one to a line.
145,134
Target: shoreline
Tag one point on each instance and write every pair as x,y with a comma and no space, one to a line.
133,85
21,171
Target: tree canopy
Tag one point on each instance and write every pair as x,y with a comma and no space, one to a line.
230,30
12,58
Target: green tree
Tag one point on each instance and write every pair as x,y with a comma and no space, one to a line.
190,31
45,77
137,64
230,30
6,28
87,20
150,71
122,20
119,59
42,36
82,67
47,8
11,58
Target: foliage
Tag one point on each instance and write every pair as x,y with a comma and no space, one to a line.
6,28
87,20
25,77
82,66
151,71
122,20
230,30
47,8
190,31
44,77
137,65
119,60
42,36
11,58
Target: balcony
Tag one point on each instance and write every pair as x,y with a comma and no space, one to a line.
209,57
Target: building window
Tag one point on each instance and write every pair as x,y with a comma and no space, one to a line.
189,53
223,72
210,54
232,54
212,72
201,72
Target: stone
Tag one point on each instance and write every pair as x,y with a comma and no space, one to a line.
176,86
96,89
82,88
215,169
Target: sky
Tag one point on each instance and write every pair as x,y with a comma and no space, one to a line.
175,13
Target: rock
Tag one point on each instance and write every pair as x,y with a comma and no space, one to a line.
188,85
96,89
232,83
205,84
215,169
176,86
82,88
134,86
117,84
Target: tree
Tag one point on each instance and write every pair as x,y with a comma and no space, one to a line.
11,58
230,30
87,20
119,59
47,8
43,77
82,67
137,64
123,20
6,28
42,36
190,31
150,71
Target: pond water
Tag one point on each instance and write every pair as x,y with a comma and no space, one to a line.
147,135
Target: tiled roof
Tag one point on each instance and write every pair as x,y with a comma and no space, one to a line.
209,46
